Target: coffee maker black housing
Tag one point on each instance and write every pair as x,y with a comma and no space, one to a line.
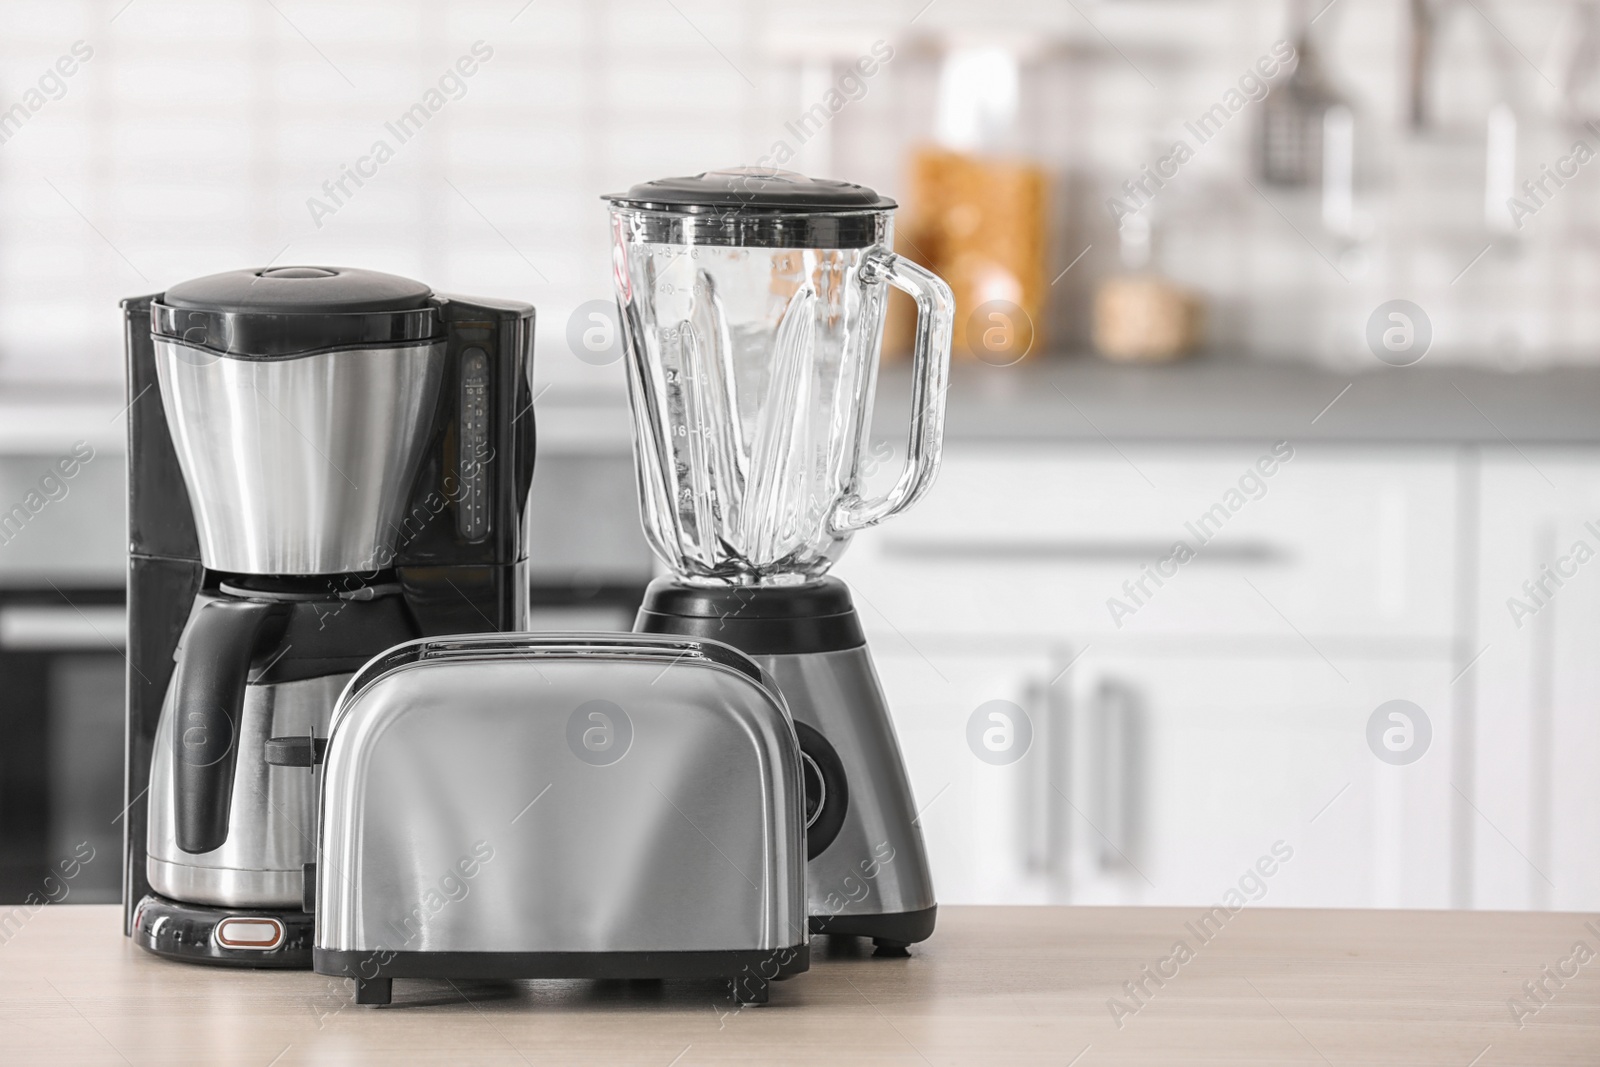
458,555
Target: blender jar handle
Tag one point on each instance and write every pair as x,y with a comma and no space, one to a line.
930,373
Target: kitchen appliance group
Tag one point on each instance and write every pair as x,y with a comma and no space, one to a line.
346,752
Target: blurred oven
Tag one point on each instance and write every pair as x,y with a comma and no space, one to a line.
62,673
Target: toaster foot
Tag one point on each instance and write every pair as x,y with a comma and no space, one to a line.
883,948
375,991
749,990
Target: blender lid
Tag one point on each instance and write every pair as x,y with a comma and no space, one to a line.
279,312
752,189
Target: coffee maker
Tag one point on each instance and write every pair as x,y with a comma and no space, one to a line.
752,304
323,463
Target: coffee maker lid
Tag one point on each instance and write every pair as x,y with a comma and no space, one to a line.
752,189
300,290
278,312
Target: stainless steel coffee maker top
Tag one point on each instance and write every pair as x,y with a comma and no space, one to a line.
302,465
298,401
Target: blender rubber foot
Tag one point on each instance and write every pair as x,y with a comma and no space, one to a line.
752,991
885,949
374,991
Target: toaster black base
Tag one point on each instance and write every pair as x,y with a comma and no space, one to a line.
747,971
190,933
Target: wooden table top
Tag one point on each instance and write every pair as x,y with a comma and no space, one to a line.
994,985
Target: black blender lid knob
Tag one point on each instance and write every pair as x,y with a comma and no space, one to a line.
756,189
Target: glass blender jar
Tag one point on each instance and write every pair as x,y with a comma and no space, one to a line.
752,309
752,306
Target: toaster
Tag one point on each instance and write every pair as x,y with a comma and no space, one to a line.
517,806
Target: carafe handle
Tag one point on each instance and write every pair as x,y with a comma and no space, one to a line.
207,703
930,374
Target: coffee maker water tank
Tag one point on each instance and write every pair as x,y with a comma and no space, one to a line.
298,399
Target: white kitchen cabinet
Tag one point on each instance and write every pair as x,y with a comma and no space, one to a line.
1239,754
1341,542
1360,575
1227,757
1537,761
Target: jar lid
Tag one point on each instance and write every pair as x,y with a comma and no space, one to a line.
752,189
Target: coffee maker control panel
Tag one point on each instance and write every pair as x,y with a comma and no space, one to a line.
474,454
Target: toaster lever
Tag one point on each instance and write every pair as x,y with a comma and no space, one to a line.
296,751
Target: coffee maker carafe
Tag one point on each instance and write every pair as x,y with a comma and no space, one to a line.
323,463
752,304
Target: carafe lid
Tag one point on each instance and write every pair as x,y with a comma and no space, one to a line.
752,189
278,312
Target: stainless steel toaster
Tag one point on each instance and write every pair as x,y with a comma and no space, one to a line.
561,806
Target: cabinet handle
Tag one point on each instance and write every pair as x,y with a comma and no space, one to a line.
1047,785
1076,551
1116,731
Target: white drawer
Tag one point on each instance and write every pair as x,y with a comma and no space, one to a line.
1348,542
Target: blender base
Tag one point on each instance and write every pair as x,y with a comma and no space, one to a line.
867,868
887,930
224,937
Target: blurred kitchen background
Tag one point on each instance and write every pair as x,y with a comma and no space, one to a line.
1357,243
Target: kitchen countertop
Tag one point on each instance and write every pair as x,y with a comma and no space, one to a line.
1079,398
994,985
46,421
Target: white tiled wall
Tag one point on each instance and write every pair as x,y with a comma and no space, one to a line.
192,139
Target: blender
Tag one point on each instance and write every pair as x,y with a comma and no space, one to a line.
752,306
